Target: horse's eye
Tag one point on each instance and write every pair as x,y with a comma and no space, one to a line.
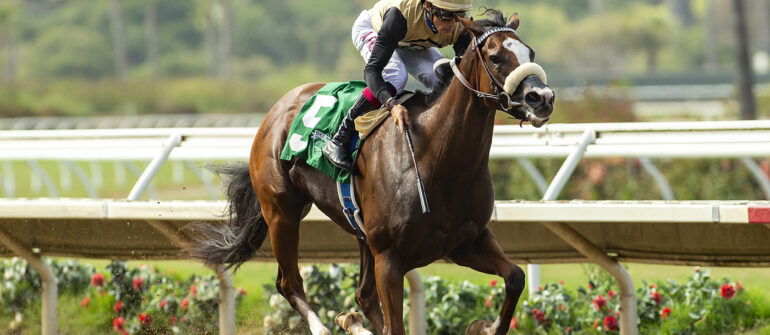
495,59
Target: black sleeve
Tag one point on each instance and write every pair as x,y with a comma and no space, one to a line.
462,43
392,31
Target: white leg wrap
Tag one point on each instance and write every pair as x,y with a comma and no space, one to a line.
316,326
493,328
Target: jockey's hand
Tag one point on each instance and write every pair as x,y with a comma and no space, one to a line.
400,117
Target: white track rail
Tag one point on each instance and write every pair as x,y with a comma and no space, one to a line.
586,227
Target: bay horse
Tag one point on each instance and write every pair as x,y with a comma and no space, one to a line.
452,135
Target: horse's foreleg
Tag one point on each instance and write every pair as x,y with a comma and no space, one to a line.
485,255
284,237
366,291
390,288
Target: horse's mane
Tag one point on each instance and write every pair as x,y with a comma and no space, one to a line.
495,18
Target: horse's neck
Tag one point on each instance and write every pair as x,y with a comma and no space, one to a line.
460,129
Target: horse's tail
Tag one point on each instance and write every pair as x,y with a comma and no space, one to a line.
235,242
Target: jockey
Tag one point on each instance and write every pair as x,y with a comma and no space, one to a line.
414,29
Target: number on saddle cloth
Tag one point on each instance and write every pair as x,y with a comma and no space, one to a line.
317,123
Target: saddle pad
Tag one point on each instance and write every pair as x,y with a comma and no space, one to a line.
317,122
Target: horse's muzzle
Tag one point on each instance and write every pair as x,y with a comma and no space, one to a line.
536,121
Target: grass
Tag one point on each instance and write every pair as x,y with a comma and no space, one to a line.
174,181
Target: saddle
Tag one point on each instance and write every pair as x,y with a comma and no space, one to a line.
367,123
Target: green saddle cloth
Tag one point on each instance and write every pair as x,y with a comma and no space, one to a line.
317,122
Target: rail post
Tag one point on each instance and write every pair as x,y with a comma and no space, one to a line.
50,289
173,141
586,247
417,323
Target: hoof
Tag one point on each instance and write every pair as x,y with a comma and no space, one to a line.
353,323
346,319
479,327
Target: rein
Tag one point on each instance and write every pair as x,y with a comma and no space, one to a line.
502,97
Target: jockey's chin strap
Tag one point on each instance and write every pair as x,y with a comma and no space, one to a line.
502,97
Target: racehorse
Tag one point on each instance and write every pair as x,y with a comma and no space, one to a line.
452,136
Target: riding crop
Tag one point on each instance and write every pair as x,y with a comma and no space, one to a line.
420,186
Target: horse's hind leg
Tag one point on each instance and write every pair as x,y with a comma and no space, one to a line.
283,220
485,255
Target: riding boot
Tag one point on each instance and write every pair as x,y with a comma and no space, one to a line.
338,150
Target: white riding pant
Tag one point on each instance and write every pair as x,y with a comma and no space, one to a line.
418,63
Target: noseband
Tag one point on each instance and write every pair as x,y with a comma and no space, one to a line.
501,96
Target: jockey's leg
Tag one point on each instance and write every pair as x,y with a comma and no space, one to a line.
337,150
419,63
364,37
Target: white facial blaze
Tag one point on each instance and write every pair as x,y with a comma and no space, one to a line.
519,49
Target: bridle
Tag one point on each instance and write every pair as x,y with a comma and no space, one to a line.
503,98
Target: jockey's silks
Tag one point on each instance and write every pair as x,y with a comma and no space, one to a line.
418,33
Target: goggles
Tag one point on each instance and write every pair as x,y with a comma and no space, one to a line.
445,15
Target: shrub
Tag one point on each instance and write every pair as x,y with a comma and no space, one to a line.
701,305
126,300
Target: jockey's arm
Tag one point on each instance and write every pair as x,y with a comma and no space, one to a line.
392,31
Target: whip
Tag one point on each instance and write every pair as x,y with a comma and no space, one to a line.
420,186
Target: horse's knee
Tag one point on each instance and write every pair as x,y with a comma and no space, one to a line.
516,280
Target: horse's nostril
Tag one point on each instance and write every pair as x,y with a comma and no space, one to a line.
533,99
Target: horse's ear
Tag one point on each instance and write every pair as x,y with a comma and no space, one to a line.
472,27
513,22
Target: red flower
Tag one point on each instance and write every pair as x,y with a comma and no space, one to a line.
568,330
194,291
697,269
118,323
493,282
728,291
539,288
610,323
145,319
739,286
655,297
561,282
241,291
163,303
97,279
610,293
488,303
590,286
514,323
653,286
596,323
538,315
665,312
138,283
85,302
600,302
185,302
173,320
118,306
